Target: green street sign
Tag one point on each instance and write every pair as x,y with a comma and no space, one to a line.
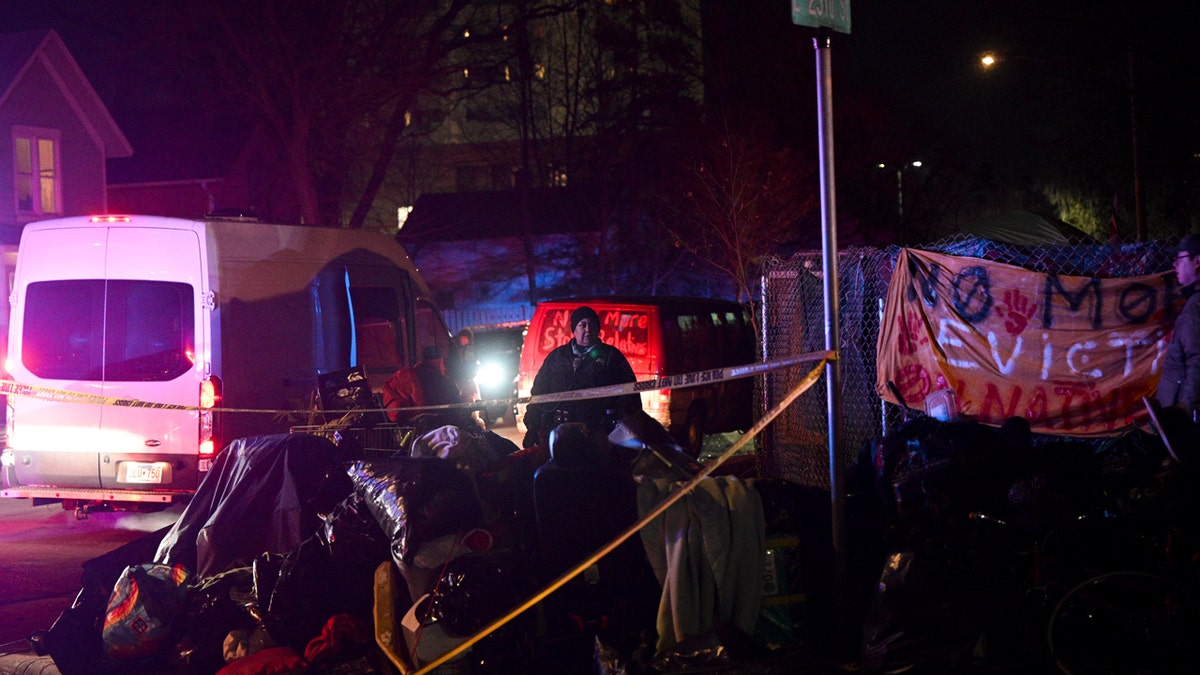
833,14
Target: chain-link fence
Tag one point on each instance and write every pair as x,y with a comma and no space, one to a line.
796,445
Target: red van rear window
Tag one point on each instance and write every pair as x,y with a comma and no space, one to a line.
625,329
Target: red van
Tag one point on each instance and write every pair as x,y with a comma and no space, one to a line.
661,336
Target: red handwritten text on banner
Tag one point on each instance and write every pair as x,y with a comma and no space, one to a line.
1073,355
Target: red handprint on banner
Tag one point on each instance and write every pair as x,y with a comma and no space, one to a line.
911,335
1016,309
913,382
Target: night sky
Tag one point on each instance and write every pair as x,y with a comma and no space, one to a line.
924,56
907,84
1061,103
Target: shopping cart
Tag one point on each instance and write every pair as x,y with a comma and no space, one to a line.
346,411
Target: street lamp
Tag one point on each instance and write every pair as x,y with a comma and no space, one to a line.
990,60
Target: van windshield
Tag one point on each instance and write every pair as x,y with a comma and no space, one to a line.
120,330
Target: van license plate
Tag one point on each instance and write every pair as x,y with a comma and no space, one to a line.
143,472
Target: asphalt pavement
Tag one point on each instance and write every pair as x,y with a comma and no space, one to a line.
41,549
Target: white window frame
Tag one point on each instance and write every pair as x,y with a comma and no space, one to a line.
38,206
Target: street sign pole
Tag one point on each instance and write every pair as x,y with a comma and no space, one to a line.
829,270
825,15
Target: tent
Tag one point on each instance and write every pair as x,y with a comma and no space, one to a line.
1024,227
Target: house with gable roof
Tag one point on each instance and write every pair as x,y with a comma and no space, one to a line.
55,137
55,134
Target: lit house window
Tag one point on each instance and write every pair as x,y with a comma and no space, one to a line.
36,164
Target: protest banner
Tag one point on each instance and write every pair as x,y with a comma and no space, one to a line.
1074,355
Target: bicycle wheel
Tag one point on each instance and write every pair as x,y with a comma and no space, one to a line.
1117,622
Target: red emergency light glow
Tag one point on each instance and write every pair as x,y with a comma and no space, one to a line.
111,219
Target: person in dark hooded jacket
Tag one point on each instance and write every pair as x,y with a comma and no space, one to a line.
582,363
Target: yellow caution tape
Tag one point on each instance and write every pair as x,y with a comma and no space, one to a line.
695,379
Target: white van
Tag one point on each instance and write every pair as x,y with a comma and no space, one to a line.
231,319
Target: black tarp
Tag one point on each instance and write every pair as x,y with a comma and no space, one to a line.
263,495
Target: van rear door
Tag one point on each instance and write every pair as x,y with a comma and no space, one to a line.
155,283
109,312
61,307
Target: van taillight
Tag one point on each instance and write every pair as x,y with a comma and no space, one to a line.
210,394
659,399
658,405
111,219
